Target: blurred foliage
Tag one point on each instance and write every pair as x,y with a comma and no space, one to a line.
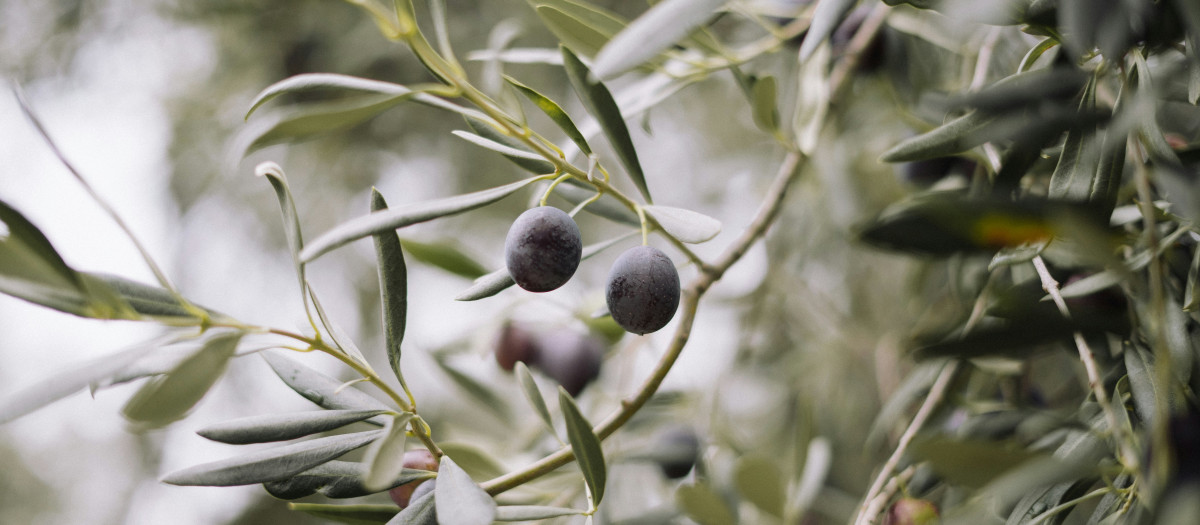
1057,136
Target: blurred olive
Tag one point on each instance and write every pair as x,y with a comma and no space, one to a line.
571,358
515,344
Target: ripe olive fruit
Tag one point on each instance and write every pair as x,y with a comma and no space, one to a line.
571,358
643,290
679,449
515,344
542,249
415,459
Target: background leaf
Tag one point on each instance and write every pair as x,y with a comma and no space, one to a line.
531,512
444,254
394,218
532,393
459,501
700,503
826,17
282,427
599,102
273,464
656,30
586,446
168,398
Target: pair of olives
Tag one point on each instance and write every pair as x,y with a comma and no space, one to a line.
542,252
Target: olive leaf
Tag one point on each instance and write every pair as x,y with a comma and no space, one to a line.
956,136
325,82
702,504
759,481
526,159
406,215
685,225
421,511
651,33
282,427
169,397
534,395
585,445
554,111
385,456
320,388
502,149
336,479
145,299
583,27
393,287
362,514
73,379
459,500
600,104
446,255
272,464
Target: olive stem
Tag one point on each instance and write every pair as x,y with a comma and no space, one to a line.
1128,456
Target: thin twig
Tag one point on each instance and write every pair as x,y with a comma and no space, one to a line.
872,503
1129,456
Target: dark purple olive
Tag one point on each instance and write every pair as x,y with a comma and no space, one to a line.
678,449
515,344
643,290
542,249
571,358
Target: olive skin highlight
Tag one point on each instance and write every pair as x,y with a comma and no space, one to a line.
543,249
643,290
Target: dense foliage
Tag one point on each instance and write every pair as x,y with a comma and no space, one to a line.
1031,356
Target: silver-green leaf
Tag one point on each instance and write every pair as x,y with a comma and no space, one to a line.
656,30
319,388
459,500
406,215
325,82
169,397
532,512
586,446
273,464
385,457
534,395
686,225
282,427
393,286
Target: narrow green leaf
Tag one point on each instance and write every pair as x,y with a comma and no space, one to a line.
532,512
444,254
585,445
406,215
534,395
554,111
291,220
31,270
459,500
272,464
827,16
72,379
168,398
319,118
495,282
319,388
421,511
1073,176
703,505
335,479
282,427
571,31
656,30
385,456
685,225
484,394
599,102
760,482
1035,53
351,514
325,82
763,104
487,286
145,299
527,160
598,18
393,286
956,136
495,146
